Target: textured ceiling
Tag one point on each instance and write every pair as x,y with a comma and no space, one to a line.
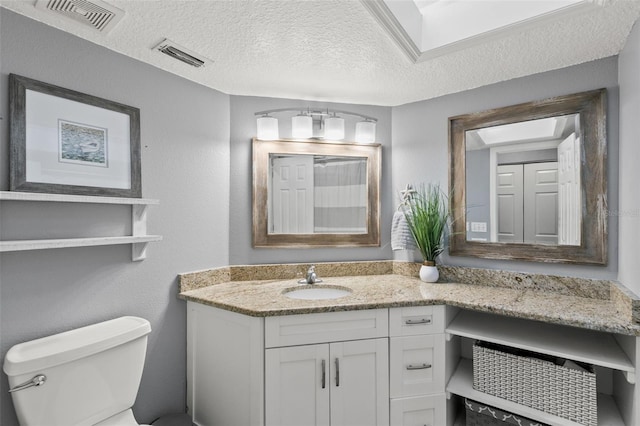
334,50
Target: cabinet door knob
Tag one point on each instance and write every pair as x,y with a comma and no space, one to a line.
337,372
418,367
324,374
418,321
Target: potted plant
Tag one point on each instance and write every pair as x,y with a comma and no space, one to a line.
427,215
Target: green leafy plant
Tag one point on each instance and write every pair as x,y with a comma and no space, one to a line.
427,215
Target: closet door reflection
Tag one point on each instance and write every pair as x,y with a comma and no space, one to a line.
527,203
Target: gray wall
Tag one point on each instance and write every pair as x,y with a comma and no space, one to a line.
629,207
420,145
185,164
243,129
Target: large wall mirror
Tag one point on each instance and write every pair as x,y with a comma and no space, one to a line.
315,194
528,181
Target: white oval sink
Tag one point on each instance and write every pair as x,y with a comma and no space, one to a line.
311,292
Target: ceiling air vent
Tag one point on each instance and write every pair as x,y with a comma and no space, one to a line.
95,13
180,53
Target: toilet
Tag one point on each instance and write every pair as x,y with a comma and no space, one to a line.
83,377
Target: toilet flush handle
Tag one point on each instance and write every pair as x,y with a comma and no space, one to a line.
36,381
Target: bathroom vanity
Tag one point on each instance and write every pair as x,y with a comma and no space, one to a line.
394,352
340,368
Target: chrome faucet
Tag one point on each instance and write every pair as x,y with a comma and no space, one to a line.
312,277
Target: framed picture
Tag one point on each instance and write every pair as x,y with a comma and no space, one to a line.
67,142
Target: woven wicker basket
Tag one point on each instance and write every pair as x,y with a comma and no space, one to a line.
536,383
478,414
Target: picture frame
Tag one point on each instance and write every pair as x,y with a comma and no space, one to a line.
67,142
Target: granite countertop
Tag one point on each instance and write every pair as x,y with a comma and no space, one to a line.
264,298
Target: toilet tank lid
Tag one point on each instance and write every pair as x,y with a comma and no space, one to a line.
73,344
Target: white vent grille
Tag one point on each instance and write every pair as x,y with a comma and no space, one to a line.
96,13
180,53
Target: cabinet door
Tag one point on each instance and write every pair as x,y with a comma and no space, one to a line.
360,383
297,386
419,411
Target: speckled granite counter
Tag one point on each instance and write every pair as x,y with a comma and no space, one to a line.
603,310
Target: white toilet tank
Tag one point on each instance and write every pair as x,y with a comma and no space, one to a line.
92,373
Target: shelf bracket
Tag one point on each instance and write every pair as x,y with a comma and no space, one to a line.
448,336
138,227
138,251
630,376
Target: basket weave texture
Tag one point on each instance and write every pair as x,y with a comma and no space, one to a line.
536,383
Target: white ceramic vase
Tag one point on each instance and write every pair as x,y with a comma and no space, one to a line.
429,272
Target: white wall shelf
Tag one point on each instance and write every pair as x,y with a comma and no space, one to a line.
64,198
592,347
461,384
138,240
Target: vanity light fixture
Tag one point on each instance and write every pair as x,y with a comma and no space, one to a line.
321,124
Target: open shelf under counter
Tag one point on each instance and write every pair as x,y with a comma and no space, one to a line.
592,347
461,384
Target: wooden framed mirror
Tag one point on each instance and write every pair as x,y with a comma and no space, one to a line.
528,181
316,194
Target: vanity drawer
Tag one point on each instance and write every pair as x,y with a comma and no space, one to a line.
416,320
290,330
429,410
416,365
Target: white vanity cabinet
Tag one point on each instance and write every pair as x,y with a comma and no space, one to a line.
252,371
327,369
417,366
337,384
401,366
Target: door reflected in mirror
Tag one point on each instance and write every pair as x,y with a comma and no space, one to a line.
317,194
523,182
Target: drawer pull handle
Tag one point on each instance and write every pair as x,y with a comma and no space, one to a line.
419,321
324,375
418,367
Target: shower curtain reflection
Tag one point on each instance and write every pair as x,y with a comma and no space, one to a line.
340,194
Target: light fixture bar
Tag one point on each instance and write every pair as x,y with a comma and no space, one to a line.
325,112
315,124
